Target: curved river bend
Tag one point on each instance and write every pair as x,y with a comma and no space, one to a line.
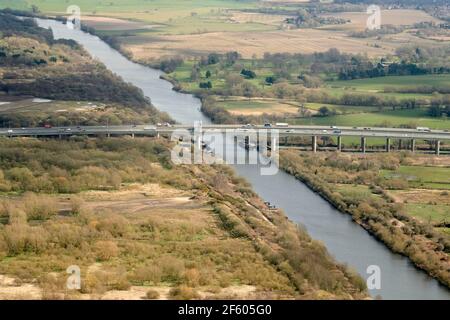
345,240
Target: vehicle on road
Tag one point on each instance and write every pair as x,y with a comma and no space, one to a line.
423,129
282,125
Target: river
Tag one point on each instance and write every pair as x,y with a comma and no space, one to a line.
346,241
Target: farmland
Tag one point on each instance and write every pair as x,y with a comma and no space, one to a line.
409,118
153,30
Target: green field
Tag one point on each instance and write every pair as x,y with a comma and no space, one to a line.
421,176
126,6
394,81
377,85
411,118
429,212
340,109
173,17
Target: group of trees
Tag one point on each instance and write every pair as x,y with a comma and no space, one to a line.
305,18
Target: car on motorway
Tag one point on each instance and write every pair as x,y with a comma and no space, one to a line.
267,125
337,131
10,131
423,129
47,126
282,125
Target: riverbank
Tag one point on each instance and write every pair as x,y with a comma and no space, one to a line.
427,249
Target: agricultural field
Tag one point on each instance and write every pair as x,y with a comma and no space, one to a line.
409,118
256,107
401,17
378,85
152,30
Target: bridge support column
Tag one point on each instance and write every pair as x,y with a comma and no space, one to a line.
388,144
109,135
363,144
339,143
413,145
132,135
314,144
400,144
438,147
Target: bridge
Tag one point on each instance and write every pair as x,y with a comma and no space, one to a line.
314,132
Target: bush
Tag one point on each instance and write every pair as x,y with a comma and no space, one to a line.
152,294
106,250
183,293
76,204
39,207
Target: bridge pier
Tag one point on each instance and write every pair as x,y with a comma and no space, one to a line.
400,144
438,147
363,144
132,136
314,144
413,145
388,144
339,143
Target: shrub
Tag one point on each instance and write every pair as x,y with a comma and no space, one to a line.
116,225
106,250
152,294
76,204
149,273
183,293
39,207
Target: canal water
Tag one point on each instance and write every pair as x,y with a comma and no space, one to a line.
345,240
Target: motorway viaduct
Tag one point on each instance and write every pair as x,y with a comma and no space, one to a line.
412,135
